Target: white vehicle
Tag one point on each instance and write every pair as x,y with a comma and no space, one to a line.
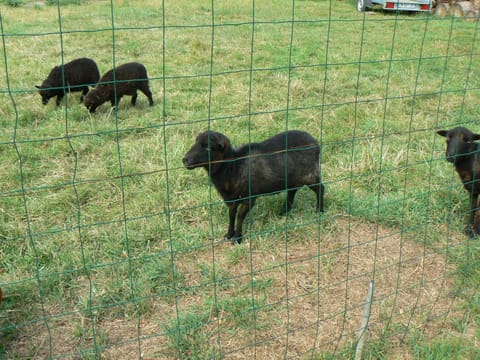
396,5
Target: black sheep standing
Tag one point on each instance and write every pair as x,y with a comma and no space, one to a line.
77,75
129,78
285,162
464,153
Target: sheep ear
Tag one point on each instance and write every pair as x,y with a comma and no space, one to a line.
442,133
222,144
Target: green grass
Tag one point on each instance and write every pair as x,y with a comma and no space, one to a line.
445,349
100,222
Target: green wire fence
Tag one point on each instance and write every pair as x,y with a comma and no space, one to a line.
111,248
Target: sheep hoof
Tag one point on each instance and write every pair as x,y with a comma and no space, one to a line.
284,212
236,240
471,232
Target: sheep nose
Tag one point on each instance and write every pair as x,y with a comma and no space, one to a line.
185,161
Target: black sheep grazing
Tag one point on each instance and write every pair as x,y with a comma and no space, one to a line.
129,78
284,162
78,74
464,153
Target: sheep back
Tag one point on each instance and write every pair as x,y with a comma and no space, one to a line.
286,160
75,75
125,79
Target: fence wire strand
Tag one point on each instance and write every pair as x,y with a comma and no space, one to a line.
111,248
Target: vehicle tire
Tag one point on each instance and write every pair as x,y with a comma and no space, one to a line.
361,6
364,5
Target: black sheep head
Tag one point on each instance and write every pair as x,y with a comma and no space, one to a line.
210,148
49,87
460,143
92,101
46,92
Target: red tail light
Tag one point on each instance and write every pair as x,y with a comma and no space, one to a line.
390,5
424,7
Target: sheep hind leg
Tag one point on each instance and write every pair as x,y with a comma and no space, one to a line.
476,224
134,99
319,190
473,227
148,94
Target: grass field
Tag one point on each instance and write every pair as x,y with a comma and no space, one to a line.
110,248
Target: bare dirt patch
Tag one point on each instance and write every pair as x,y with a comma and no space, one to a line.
307,295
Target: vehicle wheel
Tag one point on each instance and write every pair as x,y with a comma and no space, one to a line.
361,6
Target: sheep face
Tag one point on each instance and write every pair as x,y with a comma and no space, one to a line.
209,147
92,101
460,143
46,92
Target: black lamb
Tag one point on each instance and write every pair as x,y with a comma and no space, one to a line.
77,75
464,153
129,78
284,162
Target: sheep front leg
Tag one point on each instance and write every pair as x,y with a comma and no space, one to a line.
473,226
115,100
288,204
134,98
476,224
84,92
232,213
245,207
59,99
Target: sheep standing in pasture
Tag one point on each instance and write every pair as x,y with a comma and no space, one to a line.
284,162
77,75
464,153
127,79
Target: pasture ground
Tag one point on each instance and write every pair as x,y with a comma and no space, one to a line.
111,249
